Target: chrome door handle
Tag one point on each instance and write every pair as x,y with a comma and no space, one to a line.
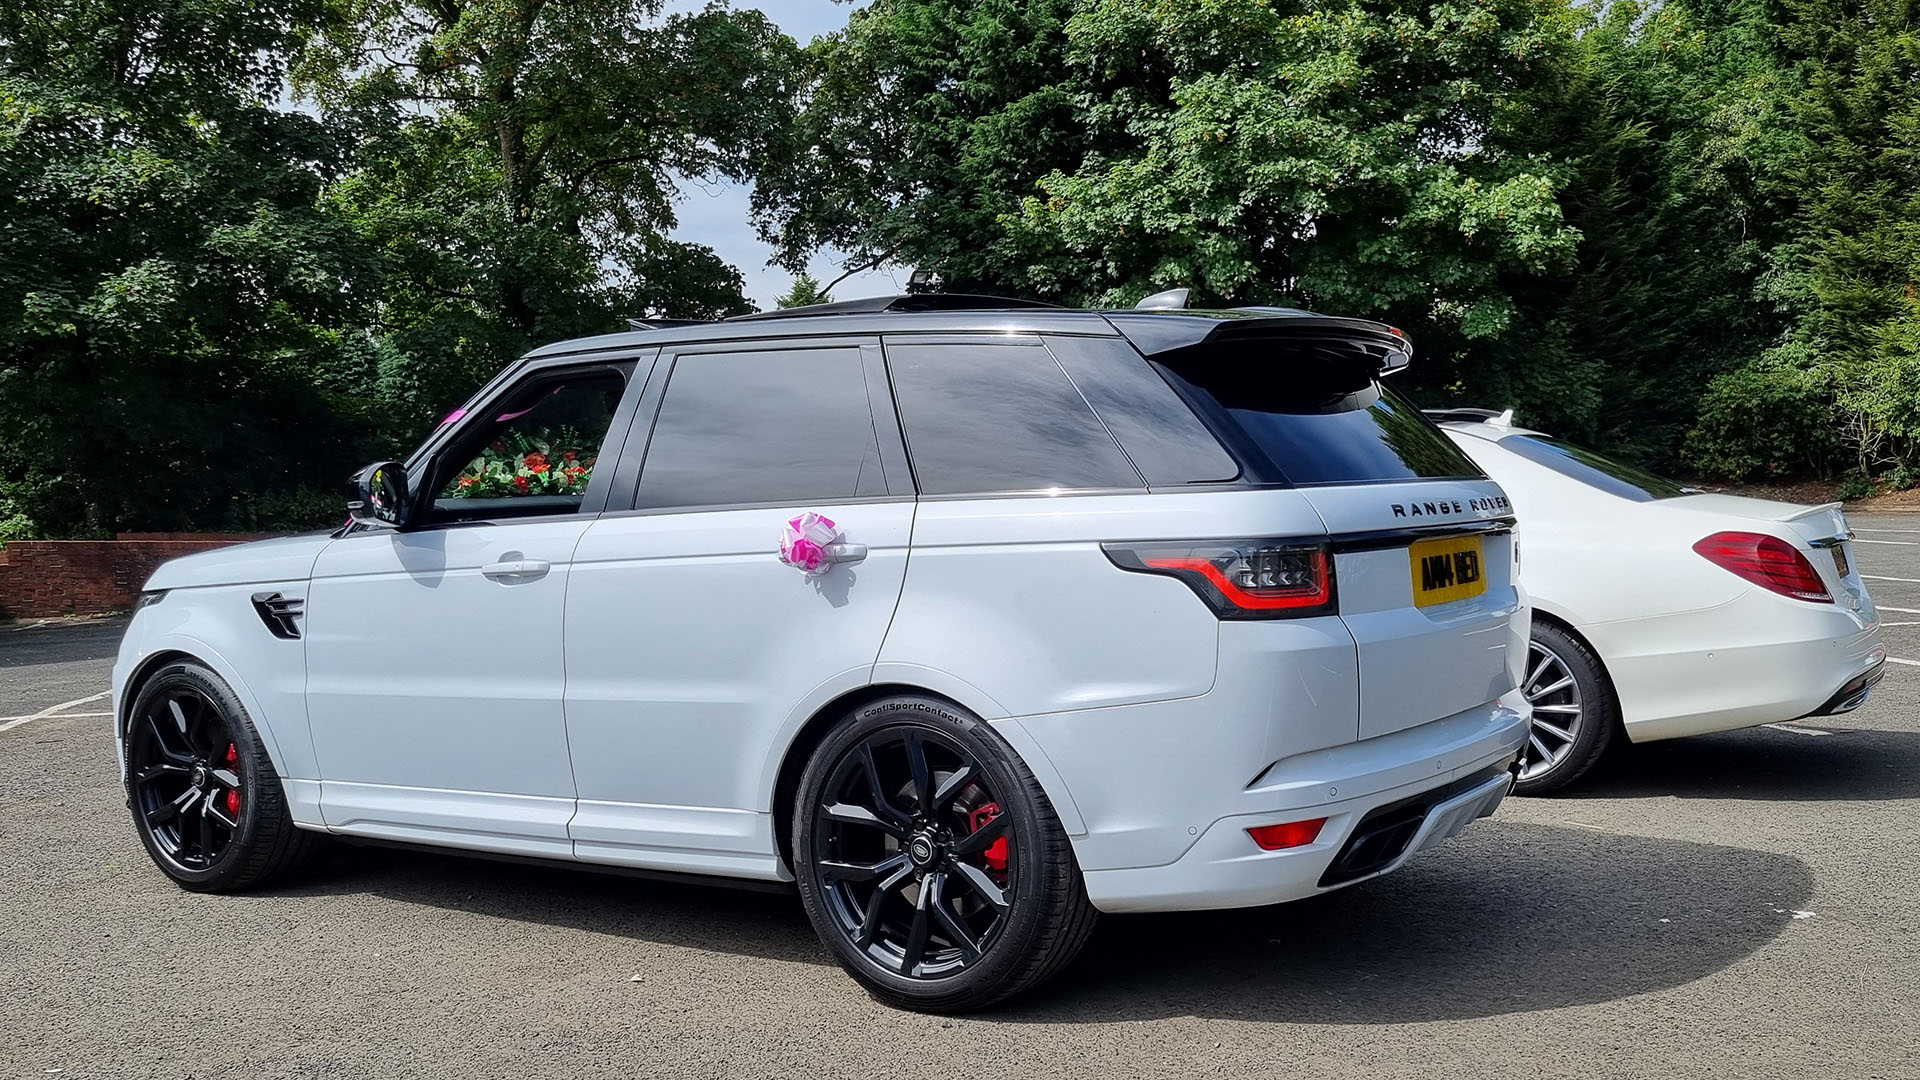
516,569
846,553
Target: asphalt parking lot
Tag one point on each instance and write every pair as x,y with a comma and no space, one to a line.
1738,905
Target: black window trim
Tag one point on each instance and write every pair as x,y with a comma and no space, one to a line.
624,498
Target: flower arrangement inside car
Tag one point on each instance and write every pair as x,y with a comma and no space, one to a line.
525,464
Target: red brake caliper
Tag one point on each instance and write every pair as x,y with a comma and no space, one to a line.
996,854
233,795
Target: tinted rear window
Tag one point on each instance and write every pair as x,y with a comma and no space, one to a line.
1593,469
1310,413
1000,417
1159,432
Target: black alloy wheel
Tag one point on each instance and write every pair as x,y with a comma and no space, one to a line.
184,770
204,794
914,853
931,862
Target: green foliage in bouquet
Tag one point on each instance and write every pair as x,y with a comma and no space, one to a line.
527,463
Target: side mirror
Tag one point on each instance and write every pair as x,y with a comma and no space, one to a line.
380,495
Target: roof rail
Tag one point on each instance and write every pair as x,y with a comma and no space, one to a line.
874,305
663,324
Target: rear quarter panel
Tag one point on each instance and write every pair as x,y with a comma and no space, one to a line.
1014,598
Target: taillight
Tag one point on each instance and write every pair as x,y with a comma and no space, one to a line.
1768,562
1241,579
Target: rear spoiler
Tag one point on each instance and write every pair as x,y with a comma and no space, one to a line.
1163,333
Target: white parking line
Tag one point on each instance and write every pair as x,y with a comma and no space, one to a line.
1797,730
1900,624
16,721
1902,543
1858,529
1883,577
1897,660
1901,610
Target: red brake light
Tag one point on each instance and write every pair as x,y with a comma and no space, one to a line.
1768,562
1241,579
1291,834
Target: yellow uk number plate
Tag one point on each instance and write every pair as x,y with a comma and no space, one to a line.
1446,569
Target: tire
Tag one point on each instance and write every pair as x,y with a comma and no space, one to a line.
205,798
881,868
1571,696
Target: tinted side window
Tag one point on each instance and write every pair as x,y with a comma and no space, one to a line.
1315,413
778,426
999,417
1594,469
1168,444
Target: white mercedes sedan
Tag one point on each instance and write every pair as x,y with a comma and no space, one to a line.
1660,610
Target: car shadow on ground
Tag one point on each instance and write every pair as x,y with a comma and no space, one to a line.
1764,764
1508,918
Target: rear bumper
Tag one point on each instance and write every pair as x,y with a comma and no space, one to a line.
1767,661
1447,773
1854,692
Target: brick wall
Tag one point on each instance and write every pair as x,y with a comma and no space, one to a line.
43,578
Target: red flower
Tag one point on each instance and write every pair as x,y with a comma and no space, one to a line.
468,481
521,483
570,455
535,460
539,469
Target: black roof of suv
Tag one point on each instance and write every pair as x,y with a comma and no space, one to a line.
1151,331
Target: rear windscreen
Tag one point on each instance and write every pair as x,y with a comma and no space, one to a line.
1594,469
1311,412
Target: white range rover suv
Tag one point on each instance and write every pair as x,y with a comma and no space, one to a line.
970,617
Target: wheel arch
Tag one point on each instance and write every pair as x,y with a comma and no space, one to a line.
141,673
204,655
813,732
1566,626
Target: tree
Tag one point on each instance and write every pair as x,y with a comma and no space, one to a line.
924,124
1663,129
805,290
1361,158
167,282
517,166
1356,158
1850,272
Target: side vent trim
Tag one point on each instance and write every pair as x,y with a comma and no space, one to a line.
280,613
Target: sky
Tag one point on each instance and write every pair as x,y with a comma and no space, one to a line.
716,214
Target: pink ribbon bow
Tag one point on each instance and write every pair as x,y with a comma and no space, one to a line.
804,543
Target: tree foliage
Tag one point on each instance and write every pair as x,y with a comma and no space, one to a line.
1686,231
167,275
517,165
925,123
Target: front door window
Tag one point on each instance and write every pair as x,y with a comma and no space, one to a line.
536,456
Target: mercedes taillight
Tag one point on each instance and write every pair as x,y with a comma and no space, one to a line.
1768,562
